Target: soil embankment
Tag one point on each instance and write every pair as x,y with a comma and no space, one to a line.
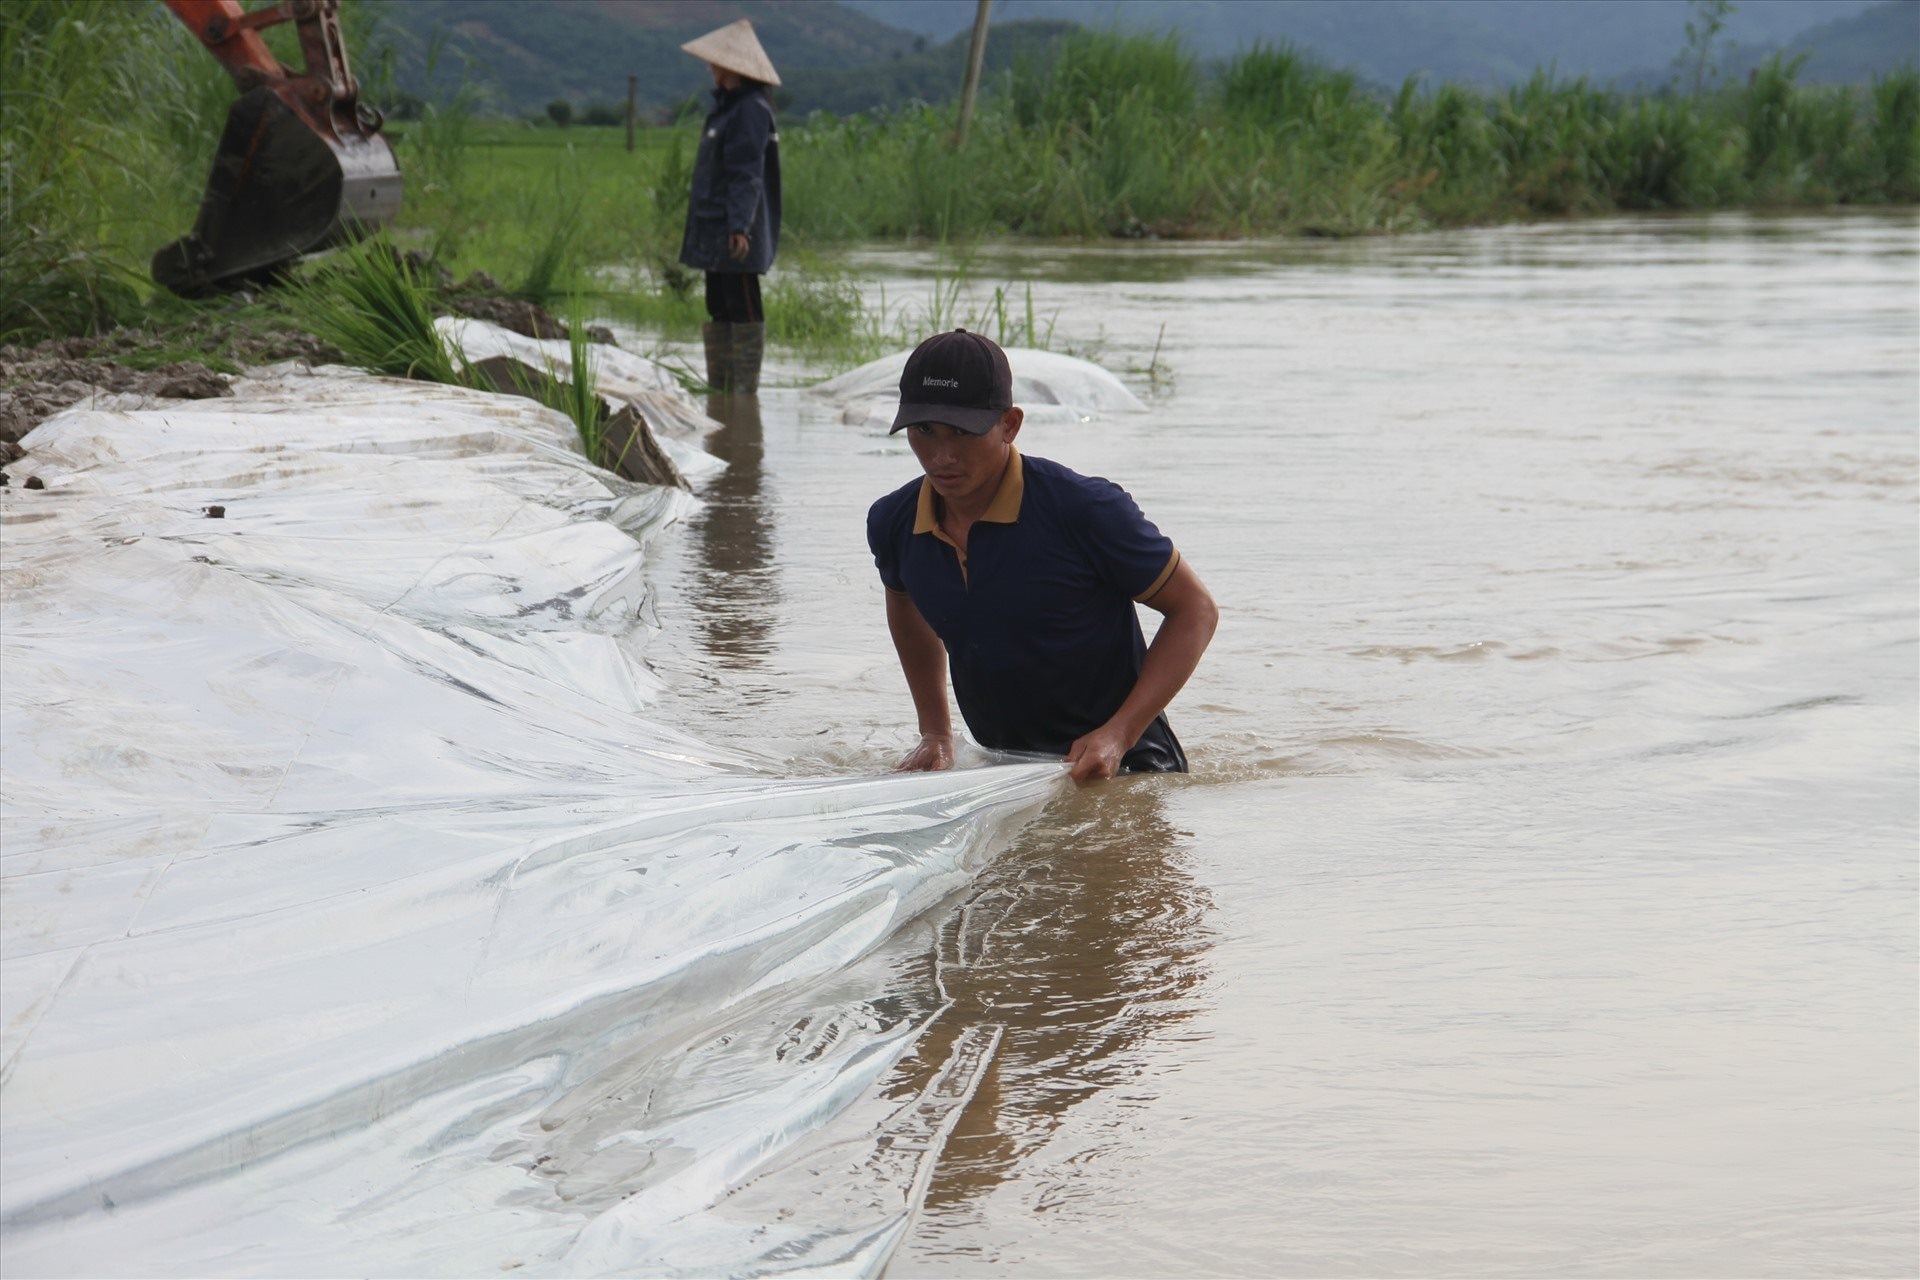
40,379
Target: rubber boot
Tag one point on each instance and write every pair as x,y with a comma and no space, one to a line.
748,343
719,338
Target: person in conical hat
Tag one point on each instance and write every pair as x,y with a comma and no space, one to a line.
733,211
735,48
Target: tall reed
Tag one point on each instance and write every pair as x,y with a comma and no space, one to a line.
576,391
103,113
1894,137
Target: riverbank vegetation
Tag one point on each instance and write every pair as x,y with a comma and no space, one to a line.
111,114
1121,136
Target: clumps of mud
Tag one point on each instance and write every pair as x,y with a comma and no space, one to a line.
243,342
39,381
525,318
479,297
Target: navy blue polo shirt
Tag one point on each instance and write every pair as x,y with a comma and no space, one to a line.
1037,615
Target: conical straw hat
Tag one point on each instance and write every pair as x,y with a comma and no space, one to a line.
735,48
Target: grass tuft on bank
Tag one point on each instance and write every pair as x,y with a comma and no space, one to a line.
367,301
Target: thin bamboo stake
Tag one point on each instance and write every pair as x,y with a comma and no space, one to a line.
976,54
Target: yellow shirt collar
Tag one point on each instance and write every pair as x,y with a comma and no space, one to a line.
1004,509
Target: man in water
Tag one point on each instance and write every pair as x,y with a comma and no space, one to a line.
1020,577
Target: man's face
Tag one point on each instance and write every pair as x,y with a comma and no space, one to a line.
963,467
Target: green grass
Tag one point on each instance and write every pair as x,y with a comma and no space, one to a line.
576,392
823,314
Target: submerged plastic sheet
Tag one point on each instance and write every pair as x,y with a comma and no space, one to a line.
1050,387
355,917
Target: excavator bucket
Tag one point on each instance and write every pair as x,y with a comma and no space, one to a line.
279,188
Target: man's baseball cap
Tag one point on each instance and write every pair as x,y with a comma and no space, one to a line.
958,378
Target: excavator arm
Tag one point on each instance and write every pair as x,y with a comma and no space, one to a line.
302,164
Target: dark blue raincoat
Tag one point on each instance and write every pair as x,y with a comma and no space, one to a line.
736,184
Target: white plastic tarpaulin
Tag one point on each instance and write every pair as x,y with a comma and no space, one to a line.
354,916
620,376
1048,386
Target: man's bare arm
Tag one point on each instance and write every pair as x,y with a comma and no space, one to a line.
924,661
1191,617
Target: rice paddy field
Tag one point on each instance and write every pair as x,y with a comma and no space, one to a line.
111,114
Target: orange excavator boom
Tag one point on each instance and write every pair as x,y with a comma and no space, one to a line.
302,164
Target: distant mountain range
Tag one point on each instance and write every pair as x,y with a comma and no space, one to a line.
1849,50
518,55
1484,42
515,56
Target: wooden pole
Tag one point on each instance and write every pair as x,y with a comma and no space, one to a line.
633,83
976,54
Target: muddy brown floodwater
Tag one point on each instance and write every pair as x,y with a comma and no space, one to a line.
1543,900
